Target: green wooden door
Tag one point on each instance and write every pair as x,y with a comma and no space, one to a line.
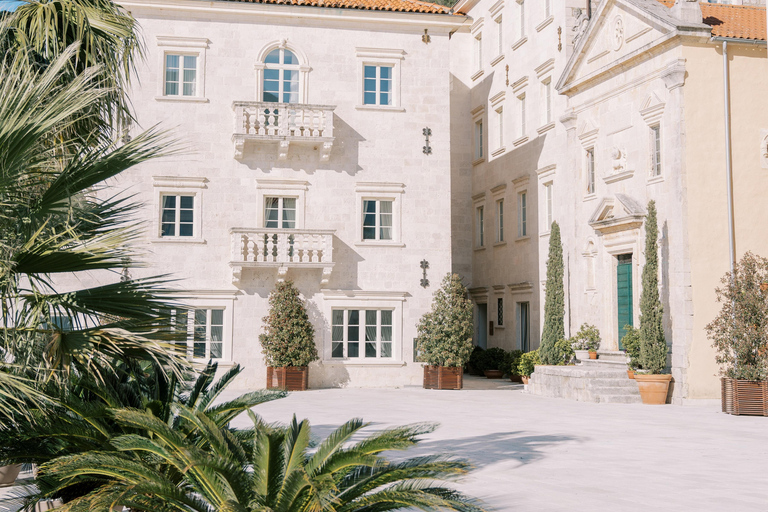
624,294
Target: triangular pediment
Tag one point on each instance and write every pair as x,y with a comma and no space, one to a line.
618,213
619,31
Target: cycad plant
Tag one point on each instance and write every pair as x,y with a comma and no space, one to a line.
260,469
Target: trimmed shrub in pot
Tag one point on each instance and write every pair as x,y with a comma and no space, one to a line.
654,386
527,365
288,341
492,362
510,367
444,339
562,352
631,342
739,333
586,340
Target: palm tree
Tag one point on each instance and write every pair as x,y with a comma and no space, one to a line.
203,467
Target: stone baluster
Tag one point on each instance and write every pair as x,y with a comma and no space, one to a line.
322,122
315,248
262,121
328,249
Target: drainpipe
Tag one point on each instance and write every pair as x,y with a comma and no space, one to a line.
728,162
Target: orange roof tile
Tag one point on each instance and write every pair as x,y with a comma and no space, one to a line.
371,5
667,3
737,21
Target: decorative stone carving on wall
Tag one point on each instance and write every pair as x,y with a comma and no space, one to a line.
764,148
617,34
581,24
674,74
620,214
618,160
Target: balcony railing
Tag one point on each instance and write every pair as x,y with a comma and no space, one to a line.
282,248
284,123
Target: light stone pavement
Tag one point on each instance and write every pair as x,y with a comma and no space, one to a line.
548,455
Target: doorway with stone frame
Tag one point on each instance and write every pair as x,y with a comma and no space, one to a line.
624,306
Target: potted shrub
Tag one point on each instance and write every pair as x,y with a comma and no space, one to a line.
8,474
631,342
528,362
444,335
288,341
586,342
510,366
652,382
739,333
493,363
562,352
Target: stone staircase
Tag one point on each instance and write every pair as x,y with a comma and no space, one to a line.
602,380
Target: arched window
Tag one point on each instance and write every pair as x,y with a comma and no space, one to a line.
281,77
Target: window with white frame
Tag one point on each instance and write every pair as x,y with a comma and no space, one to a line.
281,77
478,139
377,219
500,34
478,52
548,198
177,217
362,333
377,85
522,114
655,150
181,63
500,311
180,75
280,212
500,220
208,334
522,214
500,127
480,226
547,93
590,170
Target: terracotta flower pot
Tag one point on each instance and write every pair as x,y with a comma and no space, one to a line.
592,355
290,378
493,374
581,354
525,379
8,474
631,374
443,377
516,378
653,388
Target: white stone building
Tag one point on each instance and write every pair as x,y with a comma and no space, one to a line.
308,161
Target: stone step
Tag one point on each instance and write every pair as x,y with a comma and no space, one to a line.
618,382
581,372
620,399
618,356
607,363
614,390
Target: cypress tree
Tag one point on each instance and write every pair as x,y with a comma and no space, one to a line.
289,337
554,305
653,345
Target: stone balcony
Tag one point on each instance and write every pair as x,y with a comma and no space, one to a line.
283,124
283,249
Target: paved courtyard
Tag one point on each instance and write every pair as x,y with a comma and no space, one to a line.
547,455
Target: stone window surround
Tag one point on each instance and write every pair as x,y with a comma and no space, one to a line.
271,187
499,193
546,176
590,257
544,75
357,299
381,191
304,68
652,112
478,201
184,186
497,105
521,187
380,57
588,139
478,114
175,45
496,14
213,299
519,90
499,293
477,54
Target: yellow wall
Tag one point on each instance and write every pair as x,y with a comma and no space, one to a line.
706,183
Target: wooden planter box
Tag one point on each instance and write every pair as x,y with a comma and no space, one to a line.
443,377
744,397
290,378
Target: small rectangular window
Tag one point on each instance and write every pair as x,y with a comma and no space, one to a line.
523,127
208,334
548,198
177,216
478,54
180,75
590,171
500,34
500,127
478,140
280,212
500,311
548,102
523,326
480,226
522,218
655,151
377,85
377,219
500,220
373,328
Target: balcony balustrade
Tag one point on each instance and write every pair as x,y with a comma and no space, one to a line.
282,248
284,124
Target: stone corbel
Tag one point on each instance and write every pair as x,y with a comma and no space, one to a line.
282,149
326,276
325,153
569,119
239,145
674,74
237,275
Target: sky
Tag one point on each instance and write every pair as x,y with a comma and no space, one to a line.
8,5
